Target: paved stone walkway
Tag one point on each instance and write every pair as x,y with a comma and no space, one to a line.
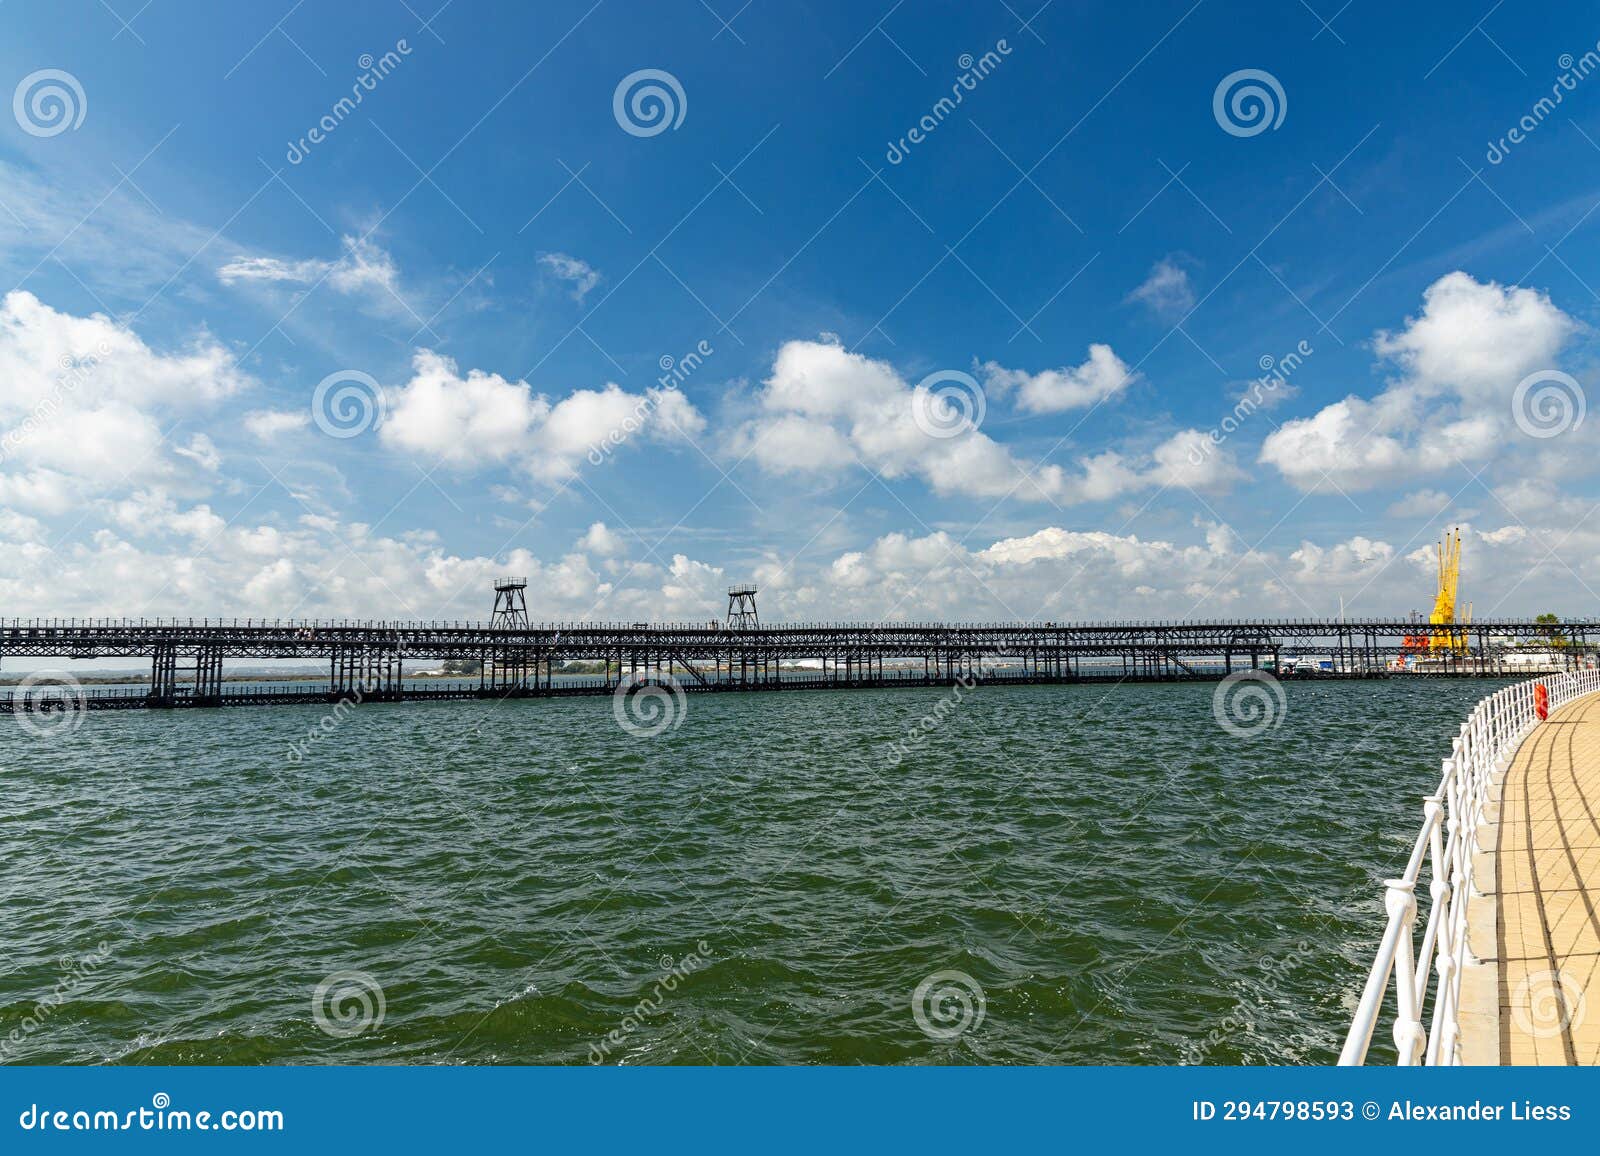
1547,884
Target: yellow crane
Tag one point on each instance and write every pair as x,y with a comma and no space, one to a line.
1440,642
1444,604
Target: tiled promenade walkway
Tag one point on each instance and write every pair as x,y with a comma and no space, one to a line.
1547,892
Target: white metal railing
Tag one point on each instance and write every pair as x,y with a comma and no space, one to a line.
1446,844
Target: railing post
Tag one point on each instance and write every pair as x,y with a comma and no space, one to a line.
1400,901
1433,815
1447,851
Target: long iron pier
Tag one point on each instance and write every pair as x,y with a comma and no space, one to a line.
186,657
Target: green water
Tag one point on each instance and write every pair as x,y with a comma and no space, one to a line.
1124,880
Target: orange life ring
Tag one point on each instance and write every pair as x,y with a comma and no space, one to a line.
1541,701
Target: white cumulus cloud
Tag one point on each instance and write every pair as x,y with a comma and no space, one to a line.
85,400
1103,375
1460,361
825,408
602,540
484,419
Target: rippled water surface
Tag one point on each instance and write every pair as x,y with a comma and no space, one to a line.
1126,881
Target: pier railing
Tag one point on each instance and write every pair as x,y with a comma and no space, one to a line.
1522,627
1427,976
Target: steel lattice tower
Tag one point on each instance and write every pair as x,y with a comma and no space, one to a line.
742,607
510,604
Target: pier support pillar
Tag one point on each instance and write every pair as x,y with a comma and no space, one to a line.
208,677
163,675
508,670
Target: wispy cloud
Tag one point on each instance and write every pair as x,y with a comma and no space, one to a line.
267,424
579,273
362,266
1166,292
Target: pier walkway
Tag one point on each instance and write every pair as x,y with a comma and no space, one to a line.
1547,893
1491,951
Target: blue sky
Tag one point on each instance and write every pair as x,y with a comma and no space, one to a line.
1084,242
